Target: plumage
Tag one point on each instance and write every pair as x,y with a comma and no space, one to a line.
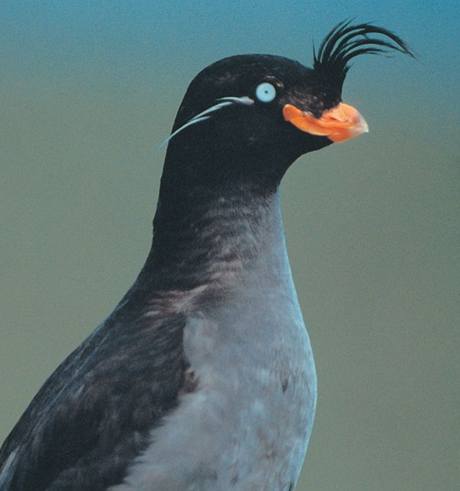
203,376
347,41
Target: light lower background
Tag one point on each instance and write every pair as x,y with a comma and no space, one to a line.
89,89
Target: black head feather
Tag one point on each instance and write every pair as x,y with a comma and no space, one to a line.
346,41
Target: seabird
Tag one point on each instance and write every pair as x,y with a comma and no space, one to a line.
203,378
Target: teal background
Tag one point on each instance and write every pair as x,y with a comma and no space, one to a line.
87,92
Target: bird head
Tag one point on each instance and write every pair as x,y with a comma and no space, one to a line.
251,116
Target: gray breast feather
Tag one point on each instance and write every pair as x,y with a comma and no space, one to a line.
247,423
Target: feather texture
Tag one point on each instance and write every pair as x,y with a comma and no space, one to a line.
346,41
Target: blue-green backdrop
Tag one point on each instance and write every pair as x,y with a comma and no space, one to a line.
88,90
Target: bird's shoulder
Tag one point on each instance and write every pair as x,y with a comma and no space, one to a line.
95,412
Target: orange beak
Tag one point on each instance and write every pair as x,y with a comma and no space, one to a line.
339,124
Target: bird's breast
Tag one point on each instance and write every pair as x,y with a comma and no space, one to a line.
257,363
247,420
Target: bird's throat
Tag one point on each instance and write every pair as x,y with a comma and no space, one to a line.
216,241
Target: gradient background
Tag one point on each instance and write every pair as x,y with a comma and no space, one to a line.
88,90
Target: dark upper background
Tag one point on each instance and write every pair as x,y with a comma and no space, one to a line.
87,92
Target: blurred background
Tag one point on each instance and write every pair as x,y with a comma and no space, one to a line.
87,92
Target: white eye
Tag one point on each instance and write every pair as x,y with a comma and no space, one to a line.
265,92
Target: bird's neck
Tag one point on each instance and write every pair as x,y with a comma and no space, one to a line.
215,241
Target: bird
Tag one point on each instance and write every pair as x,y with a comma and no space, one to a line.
203,377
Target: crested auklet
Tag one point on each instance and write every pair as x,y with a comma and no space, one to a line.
203,376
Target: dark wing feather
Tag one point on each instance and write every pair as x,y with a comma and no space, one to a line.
94,414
